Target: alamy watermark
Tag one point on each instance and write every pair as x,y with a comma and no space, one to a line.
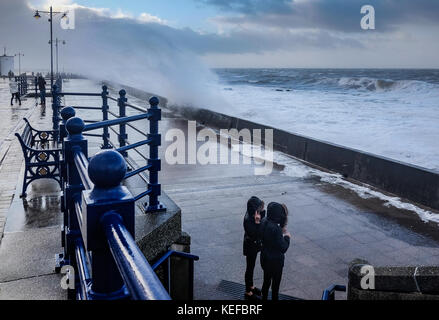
368,20
183,150
368,277
68,280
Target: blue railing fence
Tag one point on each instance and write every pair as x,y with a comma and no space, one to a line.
152,138
22,83
99,235
329,293
98,232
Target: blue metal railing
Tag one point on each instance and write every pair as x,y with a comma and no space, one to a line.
153,138
329,293
22,83
136,273
167,258
98,232
99,235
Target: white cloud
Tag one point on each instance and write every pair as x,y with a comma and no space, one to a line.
149,18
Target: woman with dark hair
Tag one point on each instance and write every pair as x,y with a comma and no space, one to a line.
275,242
252,244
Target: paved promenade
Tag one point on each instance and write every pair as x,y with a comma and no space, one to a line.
330,225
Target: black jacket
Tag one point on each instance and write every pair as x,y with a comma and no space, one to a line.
274,244
41,84
252,241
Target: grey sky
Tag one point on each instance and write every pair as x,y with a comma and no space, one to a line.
250,33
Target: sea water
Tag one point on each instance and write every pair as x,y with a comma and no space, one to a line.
389,112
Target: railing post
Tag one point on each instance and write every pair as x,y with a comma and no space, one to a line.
154,160
36,88
55,109
66,114
122,127
106,170
72,188
105,134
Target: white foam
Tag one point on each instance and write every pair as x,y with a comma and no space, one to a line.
297,169
399,124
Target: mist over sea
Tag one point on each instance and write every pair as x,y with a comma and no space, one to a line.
389,112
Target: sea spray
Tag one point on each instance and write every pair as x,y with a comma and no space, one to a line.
145,56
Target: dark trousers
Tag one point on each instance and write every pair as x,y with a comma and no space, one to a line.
251,261
272,277
17,96
43,96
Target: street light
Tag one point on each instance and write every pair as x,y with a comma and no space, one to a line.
51,13
56,46
19,61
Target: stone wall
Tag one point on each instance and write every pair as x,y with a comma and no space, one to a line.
408,181
395,283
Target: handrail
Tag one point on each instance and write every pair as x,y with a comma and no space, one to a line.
136,107
136,129
98,201
184,255
91,94
141,195
81,163
329,293
113,122
113,114
137,274
134,145
134,172
83,270
86,108
174,253
78,210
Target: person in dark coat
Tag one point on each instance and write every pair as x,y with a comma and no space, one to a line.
42,88
252,243
275,242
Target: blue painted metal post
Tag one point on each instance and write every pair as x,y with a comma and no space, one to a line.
154,160
122,127
73,143
106,170
105,134
55,110
66,114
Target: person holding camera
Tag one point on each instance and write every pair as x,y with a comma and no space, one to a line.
252,244
275,242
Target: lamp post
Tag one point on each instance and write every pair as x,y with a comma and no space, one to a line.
19,61
56,49
51,13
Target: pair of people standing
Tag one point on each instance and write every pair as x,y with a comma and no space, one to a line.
269,236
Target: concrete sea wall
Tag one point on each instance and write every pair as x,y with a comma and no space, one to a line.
408,181
404,180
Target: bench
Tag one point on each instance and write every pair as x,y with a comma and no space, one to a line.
41,162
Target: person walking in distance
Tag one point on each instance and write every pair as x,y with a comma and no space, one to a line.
13,88
42,88
275,242
252,244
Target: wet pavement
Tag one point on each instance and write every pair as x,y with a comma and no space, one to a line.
330,225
